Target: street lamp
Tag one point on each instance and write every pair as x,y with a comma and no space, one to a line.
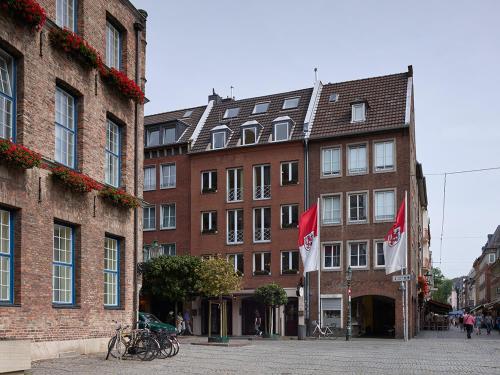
348,334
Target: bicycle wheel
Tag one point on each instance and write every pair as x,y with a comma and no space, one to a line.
166,346
116,347
142,348
111,346
175,345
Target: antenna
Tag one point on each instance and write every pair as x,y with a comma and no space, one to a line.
315,75
232,89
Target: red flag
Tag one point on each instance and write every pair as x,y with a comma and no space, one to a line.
308,239
395,243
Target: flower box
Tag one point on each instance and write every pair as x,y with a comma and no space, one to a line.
18,156
74,181
119,80
119,197
26,12
290,272
76,46
261,273
289,225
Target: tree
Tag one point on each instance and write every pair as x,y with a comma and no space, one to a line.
443,286
272,295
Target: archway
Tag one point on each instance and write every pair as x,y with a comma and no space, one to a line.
373,316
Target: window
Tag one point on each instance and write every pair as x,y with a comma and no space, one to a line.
187,114
168,216
262,182
209,222
262,263
331,256
111,271
384,156
262,224
289,262
491,258
237,260
289,173
330,162
113,46
209,182
333,98
168,178
7,95
231,112
66,14
358,254
169,136
149,218
113,162
6,257
379,254
331,210
290,216
249,136
168,249
281,131
290,103
218,140
150,178
62,265
152,137
65,129
234,227
384,205
357,161
357,207
331,312
235,185
260,108
358,112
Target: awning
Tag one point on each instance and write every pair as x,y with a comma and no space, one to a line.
438,307
492,304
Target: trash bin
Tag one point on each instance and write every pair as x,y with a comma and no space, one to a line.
301,333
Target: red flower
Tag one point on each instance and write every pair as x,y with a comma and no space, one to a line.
119,197
75,181
28,12
18,155
75,45
120,80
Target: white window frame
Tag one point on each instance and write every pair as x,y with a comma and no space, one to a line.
287,100
163,247
237,191
375,194
164,141
210,181
214,134
151,186
66,14
375,254
66,130
341,297
226,112
148,137
323,208
367,209
67,265
171,176
265,190
289,208
275,132
112,271
367,242
243,138
6,257
357,172
337,148
7,96
235,261
384,169
113,46
290,261
112,170
491,255
162,208
235,229
323,256
262,262
254,111
211,228
355,106
154,218
288,165
261,212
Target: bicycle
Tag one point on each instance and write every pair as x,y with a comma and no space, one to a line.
327,331
139,342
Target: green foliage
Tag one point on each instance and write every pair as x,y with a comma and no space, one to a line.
217,277
271,295
443,286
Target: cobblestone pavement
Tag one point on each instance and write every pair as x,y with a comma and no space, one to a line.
432,352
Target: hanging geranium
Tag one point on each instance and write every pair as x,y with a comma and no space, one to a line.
18,155
119,197
125,85
27,12
75,45
74,181
423,285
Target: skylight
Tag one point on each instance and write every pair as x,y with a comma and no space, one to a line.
333,98
260,108
231,112
290,103
187,113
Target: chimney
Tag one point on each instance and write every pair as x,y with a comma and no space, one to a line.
410,70
215,97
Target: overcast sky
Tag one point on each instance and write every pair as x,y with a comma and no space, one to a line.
262,47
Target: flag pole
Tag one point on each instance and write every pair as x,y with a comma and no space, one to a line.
319,261
406,264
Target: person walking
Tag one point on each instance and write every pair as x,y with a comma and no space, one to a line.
180,324
488,321
469,321
478,323
187,323
461,322
257,323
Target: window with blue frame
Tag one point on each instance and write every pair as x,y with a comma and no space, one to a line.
65,151
66,11
7,96
113,46
6,257
63,265
111,271
112,169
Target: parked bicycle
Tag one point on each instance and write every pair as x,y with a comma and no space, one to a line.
138,342
326,331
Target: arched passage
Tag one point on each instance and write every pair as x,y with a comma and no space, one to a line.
373,316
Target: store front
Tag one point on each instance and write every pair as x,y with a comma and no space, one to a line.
373,316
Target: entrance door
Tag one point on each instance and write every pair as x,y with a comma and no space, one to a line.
215,323
291,317
248,308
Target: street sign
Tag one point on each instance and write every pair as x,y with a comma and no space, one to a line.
400,278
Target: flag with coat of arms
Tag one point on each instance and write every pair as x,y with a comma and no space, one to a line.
395,243
308,239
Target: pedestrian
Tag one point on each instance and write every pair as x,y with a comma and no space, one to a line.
469,321
180,324
187,322
488,321
478,323
257,323
498,323
461,322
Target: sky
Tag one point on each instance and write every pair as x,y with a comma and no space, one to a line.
263,47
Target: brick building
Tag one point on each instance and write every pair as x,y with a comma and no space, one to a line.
67,257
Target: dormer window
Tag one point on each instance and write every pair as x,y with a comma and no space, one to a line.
291,103
231,112
358,112
153,137
249,135
169,136
281,131
260,108
218,139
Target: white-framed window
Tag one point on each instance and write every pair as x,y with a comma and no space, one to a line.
262,182
65,134
209,181
7,95
491,258
168,249
332,209
62,265
6,257
113,154
260,108
149,218
357,207
249,135
379,254
384,156
289,262
262,263
358,254
333,98
66,14
113,46
238,261
235,185
289,173
209,222
331,162
169,136
385,202
231,112
150,178
168,176
331,311
358,112
357,160
152,137
111,271
289,216
290,103
218,140
332,256
262,224
234,227
281,131
168,216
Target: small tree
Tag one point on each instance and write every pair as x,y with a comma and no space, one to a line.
272,295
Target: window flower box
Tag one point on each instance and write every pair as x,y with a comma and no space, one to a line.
18,156
119,197
261,273
26,12
119,80
74,181
76,46
290,272
289,225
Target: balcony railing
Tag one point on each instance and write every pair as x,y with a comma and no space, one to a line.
234,195
263,192
235,236
262,234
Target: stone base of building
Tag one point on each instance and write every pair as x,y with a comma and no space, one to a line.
67,348
15,356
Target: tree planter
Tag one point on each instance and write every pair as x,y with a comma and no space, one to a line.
74,181
122,83
119,198
26,12
75,46
18,156
219,339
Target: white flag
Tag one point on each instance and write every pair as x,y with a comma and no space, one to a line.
308,239
395,243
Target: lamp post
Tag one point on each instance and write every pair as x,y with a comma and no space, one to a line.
348,334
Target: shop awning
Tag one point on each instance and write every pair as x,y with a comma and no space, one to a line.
438,307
